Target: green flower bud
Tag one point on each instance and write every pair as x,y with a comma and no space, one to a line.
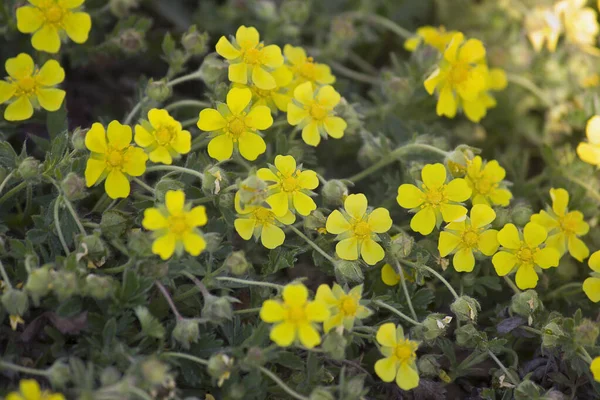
73,187
236,391
29,168
121,8
502,218
252,191
315,221
154,372
217,309
348,113
254,357
321,393
226,200
220,367
586,332
466,308
164,185
78,138
186,331
402,245
94,248
236,263
59,374
194,42
214,180
139,244
468,336
99,287
114,224
521,213
158,90
213,69
458,159
526,303
131,41
65,284
295,12
433,327
15,302
348,272
265,10
354,389
428,365
335,345
109,376
39,283
213,241
551,335
334,192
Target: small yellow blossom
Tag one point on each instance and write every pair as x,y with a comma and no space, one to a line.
564,227
400,357
291,188
261,222
15,321
595,368
580,22
391,277
435,200
278,98
305,69
28,87
590,152
249,59
469,236
460,76
48,20
357,229
114,159
295,317
524,252
591,286
543,26
485,181
162,137
29,389
496,81
344,307
175,225
438,38
313,111
234,126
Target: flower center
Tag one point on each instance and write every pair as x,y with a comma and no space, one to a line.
164,135
318,112
348,306
404,351
525,255
362,229
470,238
484,185
263,216
568,224
114,157
54,14
237,127
252,56
262,93
296,314
459,73
289,184
27,85
308,70
178,225
434,196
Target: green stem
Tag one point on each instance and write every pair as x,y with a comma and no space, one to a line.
350,73
25,370
512,285
248,311
74,215
591,191
312,244
585,355
532,330
529,86
187,103
189,77
13,192
6,179
144,185
189,122
59,232
247,282
395,311
392,156
443,280
139,392
405,289
169,300
383,22
282,384
555,293
119,269
184,356
503,368
175,168
5,276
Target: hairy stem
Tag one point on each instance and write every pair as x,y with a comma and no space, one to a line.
395,311
312,244
167,297
405,289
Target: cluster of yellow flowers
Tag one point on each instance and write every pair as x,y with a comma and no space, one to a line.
29,389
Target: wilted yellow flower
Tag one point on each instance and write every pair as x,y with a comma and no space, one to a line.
295,317
162,137
391,277
261,222
581,22
460,76
28,87
114,159
277,98
435,200
313,111
291,188
249,59
400,357
437,38
469,236
15,321
595,368
590,152
357,229
234,126
543,26
305,69
175,225
29,389
485,181
564,226
48,20
344,307
524,252
496,81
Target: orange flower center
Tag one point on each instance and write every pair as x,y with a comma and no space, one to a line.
470,238
54,14
404,351
178,224
27,86
296,314
114,158
525,254
348,306
318,112
362,229
289,184
434,197
164,135
253,56
237,126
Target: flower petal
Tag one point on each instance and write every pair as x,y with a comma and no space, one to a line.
356,205
78,25
93,170
308,179
335,127
407,377
135,161
51,99
577,248
526,277
386,369
433,175
304,93
379,220
30,389
534,234
46,39
226,50
259,118
272,236
508,237
347,249
504,262
263,79
463,260
295,294
447,243
211,120
409,196
389,276
220,147
247,37
547,257
161,155
283,334
50,74
7,91
452,212
194,243
272,311
482,215
311,135
295,114
95,139
386,335
20,67
245,227
175,201
238,73
29,19
589,153
117,185
336,224
560,201
251,146
488,242
371,251
328,97
142,137
317,311
594,261
154,219
119,135
591,287
303,203
458,190
238,99
592,129
19,110
279,203
423,221
196,216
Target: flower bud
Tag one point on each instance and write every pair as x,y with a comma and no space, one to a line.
64,284
428,365
586,332
139,244
131,41
335,345
29,168
213,241
194,42
94,248
236,263
219,367
265,10
110,376
114,224
465,308
402,245
370,152
217,309
15,302
321,393
154,372
121,8
348,272
296,12
214,180
59,374
521,213
526,303
502,218
315,221
458,159
254,357
343,32
252,191
158,90
433,327
213,70
348,113
99,287
235,391
468,336
186,331
39,283
73,186
334,192
551,335
78,138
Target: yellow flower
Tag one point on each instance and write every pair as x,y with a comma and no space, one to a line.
391,277
357,229
15,320
460,76
305,69
590,152
261,222
495,80
581,22
29,389
485,181
543,26
277,98
48,20
400,356
234,126
162,137
591,286
292,186
115,159
469,236
344,307
524,252
436,200
249,59
295,317
438,38
595,368
564,227
175,225
27,87
313,110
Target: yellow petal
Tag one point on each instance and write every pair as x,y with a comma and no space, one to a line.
407,377
446,104
142,137
50,74
19,110
211,120
20,67
371,251
594,261
472,51
238,73
328,97
226,50
311,135
304,93
347,249
50,99
70,4
589,153
463,260
595,368
272,311
308,179
423,221
303,204
285,164
220,147
272,236
245,227
356,205
508,237
482,215
447,243
193,243
135,161
336,224
386,335
279,203
333,322
271,56
547,257
452,212
175,201
592,129
116,185
386,368
504,262
295,294
295,114
526,277
95,139
488,242
577,248
46,39
494,171
78,25
287,219
161,155
247,37
335,127
93,170
283,334
409,196
259,118
434,175
560,201
458,190
317,311
196,216
501,197
389,276
119,135
263,79
379,220
591,287
238,99
432,81
29,19
30,389
7,91
534,234
164,246
251,146
154,219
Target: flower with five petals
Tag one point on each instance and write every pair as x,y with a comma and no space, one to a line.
29,389
162,137
305,68
345,307
400,356
485,181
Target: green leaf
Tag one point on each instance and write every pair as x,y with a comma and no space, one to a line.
150,325
289,360
8,156
168,45
56,122
279,259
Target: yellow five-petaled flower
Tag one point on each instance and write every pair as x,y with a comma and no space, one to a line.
175,225
345,307
400,357
485,181
305,69
29,389
162,137
295,317
357,229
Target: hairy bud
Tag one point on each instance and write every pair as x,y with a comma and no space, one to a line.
186,332
466,308
236,263
334,192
